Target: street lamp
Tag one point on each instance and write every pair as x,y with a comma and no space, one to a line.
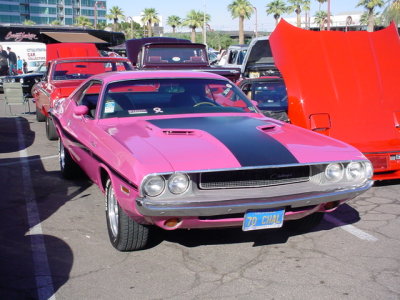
131,20
204,25
328,27
95,11
255,8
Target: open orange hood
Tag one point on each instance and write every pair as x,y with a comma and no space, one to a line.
343,84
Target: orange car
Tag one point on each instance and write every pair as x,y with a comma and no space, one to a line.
345,85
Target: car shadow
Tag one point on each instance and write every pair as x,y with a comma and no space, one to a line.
345,214
33,265
8,128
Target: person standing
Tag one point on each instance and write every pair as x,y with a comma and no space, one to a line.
19,65
12,59
3,62
24,66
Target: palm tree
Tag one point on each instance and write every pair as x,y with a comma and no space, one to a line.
174,21
370,5
276,8
115,14
194,19
241,9
150,16
83,21
320,18
392,13
56,22
28,22
295,6
321,2
306,8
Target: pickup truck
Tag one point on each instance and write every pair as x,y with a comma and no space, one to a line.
163,53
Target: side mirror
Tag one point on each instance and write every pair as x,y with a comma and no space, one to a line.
81,110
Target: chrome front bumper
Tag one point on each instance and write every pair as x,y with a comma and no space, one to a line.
209,206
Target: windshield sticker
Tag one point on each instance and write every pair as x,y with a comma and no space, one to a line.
158,110
137,111
228,85
109,107
176,58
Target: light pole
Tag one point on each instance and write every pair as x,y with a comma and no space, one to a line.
131,20
204,25
256,29
328,27
95,12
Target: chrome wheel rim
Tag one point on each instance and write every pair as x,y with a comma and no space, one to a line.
112,211
61,155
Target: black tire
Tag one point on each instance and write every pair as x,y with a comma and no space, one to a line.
51,131
40,117
69,168
305,224
125,234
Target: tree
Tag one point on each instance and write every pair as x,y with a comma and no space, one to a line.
150,16
56,22
320,18
174,22
115,14
83,21
306,8
241,9
370,6
392,13
28,22
295,6
276,8
320,3
194,19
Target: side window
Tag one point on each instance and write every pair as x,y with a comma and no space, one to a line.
232,57
90,97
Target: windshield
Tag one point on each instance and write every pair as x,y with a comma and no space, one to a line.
270,95
78,70
133,98
176,55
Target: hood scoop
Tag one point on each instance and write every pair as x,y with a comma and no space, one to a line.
178,132
267,127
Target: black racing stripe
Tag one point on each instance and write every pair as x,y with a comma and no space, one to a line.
250,146
96,157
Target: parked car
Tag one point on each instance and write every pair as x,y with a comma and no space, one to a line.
182,150
345,85
27,80
259,61
270,95
163,53
234,56
64,75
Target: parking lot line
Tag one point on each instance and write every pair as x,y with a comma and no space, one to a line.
28,160
44,282
350,229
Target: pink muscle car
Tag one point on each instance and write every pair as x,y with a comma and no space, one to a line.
189,150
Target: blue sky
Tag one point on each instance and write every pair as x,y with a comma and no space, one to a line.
217,9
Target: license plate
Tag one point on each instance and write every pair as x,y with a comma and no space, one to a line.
254,220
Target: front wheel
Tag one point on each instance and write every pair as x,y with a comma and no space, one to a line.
51,131
125,234
305,224
69,168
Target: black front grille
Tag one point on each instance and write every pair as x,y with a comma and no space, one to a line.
253,178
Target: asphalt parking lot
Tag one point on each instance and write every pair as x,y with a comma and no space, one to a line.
54,242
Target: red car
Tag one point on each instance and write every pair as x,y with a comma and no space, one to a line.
66,73
345,85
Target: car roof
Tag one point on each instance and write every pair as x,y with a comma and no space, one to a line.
127,75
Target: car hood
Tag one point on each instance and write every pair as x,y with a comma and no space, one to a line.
258,55
346,81
224,142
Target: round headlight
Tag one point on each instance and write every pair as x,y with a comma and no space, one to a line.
178,183
21,80
154,186
334,172
12,80
355,171
369,170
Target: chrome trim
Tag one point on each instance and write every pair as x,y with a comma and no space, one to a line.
201,206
